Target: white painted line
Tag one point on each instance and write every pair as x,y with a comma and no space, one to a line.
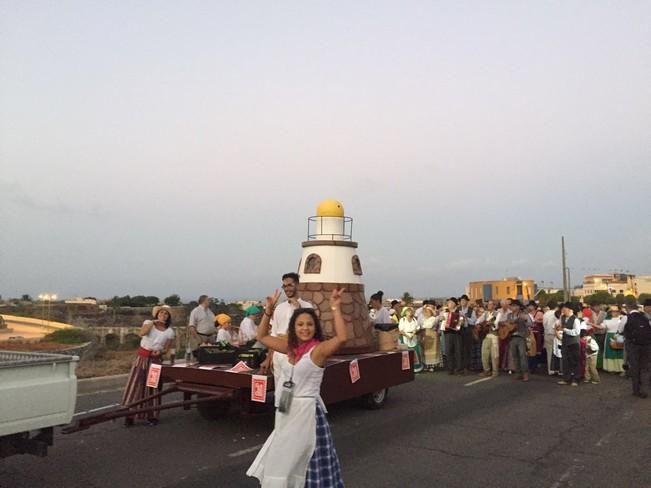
604,439
105,407
568,474
99,392
479,381
245,451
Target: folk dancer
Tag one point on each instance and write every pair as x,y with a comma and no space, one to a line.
410,336
469,345
431,346
551,320
571,327
450,326
300,450
518,344
503,316
156,339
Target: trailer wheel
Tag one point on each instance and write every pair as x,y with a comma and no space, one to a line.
376,400
214,410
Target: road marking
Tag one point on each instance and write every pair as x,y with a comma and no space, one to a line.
568,474
624,418
93,410
478,381
99,392
245,451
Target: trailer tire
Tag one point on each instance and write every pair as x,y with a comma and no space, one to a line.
376,400
214,410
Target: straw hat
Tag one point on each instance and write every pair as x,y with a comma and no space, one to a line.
158,308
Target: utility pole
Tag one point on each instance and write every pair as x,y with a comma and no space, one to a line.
566,291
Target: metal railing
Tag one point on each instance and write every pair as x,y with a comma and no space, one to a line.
317,230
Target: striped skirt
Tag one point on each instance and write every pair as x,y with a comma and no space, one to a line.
324,470
137,389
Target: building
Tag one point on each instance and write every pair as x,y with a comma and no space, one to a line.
511,287
642,284
613,283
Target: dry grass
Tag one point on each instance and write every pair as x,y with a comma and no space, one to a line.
105,363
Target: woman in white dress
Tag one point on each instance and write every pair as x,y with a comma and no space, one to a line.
410,336
300,452
431,347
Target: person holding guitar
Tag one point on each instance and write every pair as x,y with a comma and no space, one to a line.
518,345
504,329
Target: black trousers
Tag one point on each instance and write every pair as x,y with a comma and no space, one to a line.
467,342
453,350
571,362
638,360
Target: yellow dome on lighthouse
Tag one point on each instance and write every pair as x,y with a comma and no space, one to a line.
330,208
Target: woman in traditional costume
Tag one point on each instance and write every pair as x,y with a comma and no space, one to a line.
613,359
431,343
410,336
300,451
157,338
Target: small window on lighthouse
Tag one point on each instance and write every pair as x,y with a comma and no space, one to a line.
357,266
312,264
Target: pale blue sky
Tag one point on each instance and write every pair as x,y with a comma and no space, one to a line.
160,147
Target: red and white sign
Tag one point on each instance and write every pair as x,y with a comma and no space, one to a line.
153,375
258,388
240,367
353,369
406,364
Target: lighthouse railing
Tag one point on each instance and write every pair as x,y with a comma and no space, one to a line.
329,228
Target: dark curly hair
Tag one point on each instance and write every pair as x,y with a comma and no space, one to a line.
292,338
167,322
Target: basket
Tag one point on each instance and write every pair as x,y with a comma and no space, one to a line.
616,345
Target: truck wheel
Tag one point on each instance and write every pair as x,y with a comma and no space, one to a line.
376,400
214,410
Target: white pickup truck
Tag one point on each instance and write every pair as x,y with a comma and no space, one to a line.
37,392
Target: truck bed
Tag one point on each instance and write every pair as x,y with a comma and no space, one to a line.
37,390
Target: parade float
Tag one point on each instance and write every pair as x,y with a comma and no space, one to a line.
329,260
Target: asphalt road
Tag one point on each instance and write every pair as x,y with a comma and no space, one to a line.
433,432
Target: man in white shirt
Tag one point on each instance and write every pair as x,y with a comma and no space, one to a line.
280,322
571,334
201,325
504,315
248,328
550,321
469,346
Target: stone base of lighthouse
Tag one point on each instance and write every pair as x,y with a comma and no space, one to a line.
361,336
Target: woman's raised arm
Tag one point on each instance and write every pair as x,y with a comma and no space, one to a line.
327,348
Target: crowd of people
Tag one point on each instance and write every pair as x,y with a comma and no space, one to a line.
571,340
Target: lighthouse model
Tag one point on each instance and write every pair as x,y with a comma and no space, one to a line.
330,260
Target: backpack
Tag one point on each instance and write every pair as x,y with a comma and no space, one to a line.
640,333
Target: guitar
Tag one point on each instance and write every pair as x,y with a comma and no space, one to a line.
505,329
481,329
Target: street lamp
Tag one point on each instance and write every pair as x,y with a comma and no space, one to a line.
48,298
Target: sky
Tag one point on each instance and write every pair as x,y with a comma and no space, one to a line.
159,147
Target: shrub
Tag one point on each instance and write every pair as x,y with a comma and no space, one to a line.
68,336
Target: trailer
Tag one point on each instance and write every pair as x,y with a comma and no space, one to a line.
37,392
216,391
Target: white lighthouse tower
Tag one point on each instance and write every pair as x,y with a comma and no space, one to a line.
330,260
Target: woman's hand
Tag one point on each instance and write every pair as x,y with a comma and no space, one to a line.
335,297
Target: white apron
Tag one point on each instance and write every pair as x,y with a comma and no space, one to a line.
283,460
